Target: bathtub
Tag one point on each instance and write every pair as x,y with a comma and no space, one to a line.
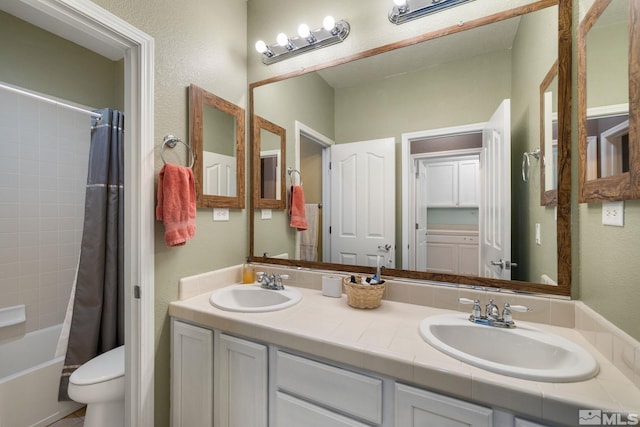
29,378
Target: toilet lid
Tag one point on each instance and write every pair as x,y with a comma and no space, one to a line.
104,367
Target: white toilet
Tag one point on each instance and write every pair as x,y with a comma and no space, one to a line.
100,384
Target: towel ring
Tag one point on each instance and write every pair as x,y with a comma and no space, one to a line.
171,142
291,171
526,163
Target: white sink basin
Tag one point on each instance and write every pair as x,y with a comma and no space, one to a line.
523,352
253,298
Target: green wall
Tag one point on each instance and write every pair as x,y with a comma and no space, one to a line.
535,50
605,258
306,99
39,61
194,43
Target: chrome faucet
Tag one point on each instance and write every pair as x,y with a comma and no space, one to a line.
492,313
271,281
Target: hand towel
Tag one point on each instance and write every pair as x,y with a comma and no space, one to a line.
176,204
296,208
309,237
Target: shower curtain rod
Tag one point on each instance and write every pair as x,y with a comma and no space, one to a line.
51,101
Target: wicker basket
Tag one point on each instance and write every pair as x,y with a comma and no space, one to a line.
362,296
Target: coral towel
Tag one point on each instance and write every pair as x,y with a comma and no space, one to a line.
296,208
176,204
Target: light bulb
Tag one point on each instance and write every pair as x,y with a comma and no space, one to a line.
400,2
261,46
303,31
329,23
282,39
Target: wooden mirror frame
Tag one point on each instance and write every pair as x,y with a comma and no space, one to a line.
547,197
565,13
259,123
198,98
624,186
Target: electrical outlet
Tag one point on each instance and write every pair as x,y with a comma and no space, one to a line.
613,213
220,214
538,236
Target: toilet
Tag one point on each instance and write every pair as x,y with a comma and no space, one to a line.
99,384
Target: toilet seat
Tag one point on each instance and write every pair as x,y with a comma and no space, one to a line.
105,367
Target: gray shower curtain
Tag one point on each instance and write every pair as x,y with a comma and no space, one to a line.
97,323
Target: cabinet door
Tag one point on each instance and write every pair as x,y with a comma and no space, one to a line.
191,375
442,184
292,412
468,183
240,397
442,257
420,408
468,259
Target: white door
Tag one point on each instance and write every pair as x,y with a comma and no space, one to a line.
219,174
495,207
363,202
420,239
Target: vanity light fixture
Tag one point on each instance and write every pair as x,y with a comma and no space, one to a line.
331,32
407,10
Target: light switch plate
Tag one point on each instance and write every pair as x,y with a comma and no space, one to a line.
265,214
613,213
538,236
221,214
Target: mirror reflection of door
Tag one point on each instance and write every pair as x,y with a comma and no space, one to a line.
363,203
218,152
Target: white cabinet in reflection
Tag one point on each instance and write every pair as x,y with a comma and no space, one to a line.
452,253
453,183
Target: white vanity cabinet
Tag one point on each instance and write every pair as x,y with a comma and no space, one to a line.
453,183
417,408
191,375
319,394
241,382
217,379
222,380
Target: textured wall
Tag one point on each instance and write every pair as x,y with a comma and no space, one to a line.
201,42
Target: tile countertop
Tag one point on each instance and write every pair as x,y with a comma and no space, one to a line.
386,340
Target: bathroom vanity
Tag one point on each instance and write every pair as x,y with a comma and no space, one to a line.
322,363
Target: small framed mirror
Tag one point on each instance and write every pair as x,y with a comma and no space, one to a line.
217,134
269,155
549,138
608,72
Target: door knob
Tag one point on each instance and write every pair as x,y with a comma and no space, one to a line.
504,265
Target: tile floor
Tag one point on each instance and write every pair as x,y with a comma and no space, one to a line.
73,420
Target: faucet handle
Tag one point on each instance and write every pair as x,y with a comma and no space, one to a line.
477,311
520,308
506,313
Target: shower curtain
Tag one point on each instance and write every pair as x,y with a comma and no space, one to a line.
97,319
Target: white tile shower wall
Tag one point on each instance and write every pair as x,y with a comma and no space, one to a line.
44,151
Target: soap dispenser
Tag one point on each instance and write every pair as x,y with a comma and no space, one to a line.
248,274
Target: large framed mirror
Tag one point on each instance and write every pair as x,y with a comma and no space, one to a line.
270,144
435,97
608,71
549,138
217,137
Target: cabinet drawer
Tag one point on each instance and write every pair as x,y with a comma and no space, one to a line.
445,238
292,412
348,392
